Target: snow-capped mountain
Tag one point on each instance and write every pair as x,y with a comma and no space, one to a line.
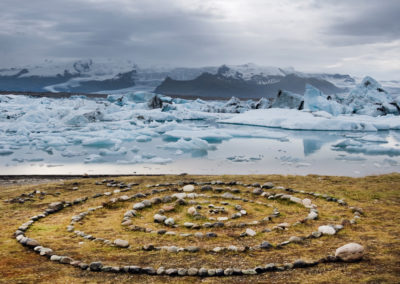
109,76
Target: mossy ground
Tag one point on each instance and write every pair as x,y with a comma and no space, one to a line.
378,231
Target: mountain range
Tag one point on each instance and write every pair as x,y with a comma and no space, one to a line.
243,81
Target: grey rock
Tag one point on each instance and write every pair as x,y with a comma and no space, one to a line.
95,266
121,243
203,272
228,271
192,271
350,252
171,271
183,272
265,245
249,271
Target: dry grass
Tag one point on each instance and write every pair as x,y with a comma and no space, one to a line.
378,231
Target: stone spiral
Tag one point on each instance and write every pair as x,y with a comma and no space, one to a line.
195,221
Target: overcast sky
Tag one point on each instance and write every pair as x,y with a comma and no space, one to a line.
359,37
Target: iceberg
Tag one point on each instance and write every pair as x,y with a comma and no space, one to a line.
353,146
303,120
369,98
194,144
315,100
286,99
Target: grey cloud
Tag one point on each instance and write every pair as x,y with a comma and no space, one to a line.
362,21
195,33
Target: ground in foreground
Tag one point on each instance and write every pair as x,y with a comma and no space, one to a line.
378,231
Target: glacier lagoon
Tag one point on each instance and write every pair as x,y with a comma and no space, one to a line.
124,136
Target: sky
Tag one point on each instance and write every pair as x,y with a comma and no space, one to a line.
357,37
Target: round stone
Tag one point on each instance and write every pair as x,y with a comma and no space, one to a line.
138,206
350,252
158,218
192,271
188,188
326,230
265,245
121,243
192,211
95,266
169,222
250,232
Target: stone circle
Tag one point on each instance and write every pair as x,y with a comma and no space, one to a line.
199,211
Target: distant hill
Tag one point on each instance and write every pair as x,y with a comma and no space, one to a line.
244,81
220,86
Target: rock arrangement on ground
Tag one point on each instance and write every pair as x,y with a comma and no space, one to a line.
192,209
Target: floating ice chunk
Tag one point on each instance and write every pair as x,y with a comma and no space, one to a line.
100,142
56,141
77,120
94,158
210,135
286,99
140,159
194,144
373,138
371,99
5,152
143,138
70,154
301,120
106,152
315,100
352,146
350,158
238,159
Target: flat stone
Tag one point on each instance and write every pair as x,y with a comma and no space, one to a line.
295,239
121,243
192,271
350,252
55,258
188,188
169,222
203,272
192,249
192,211
158,218
149,270
312,215
249,272
66,260
138,206
206,188
126,223
250,232
31,242
183,272
268,185
171,271
168,208
95,266
265,245
326,230
160,271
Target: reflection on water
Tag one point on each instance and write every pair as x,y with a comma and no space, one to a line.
300,152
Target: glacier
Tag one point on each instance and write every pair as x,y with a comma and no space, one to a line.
138,129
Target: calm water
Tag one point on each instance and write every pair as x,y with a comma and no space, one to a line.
299,152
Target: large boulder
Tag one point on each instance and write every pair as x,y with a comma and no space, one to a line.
350,252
